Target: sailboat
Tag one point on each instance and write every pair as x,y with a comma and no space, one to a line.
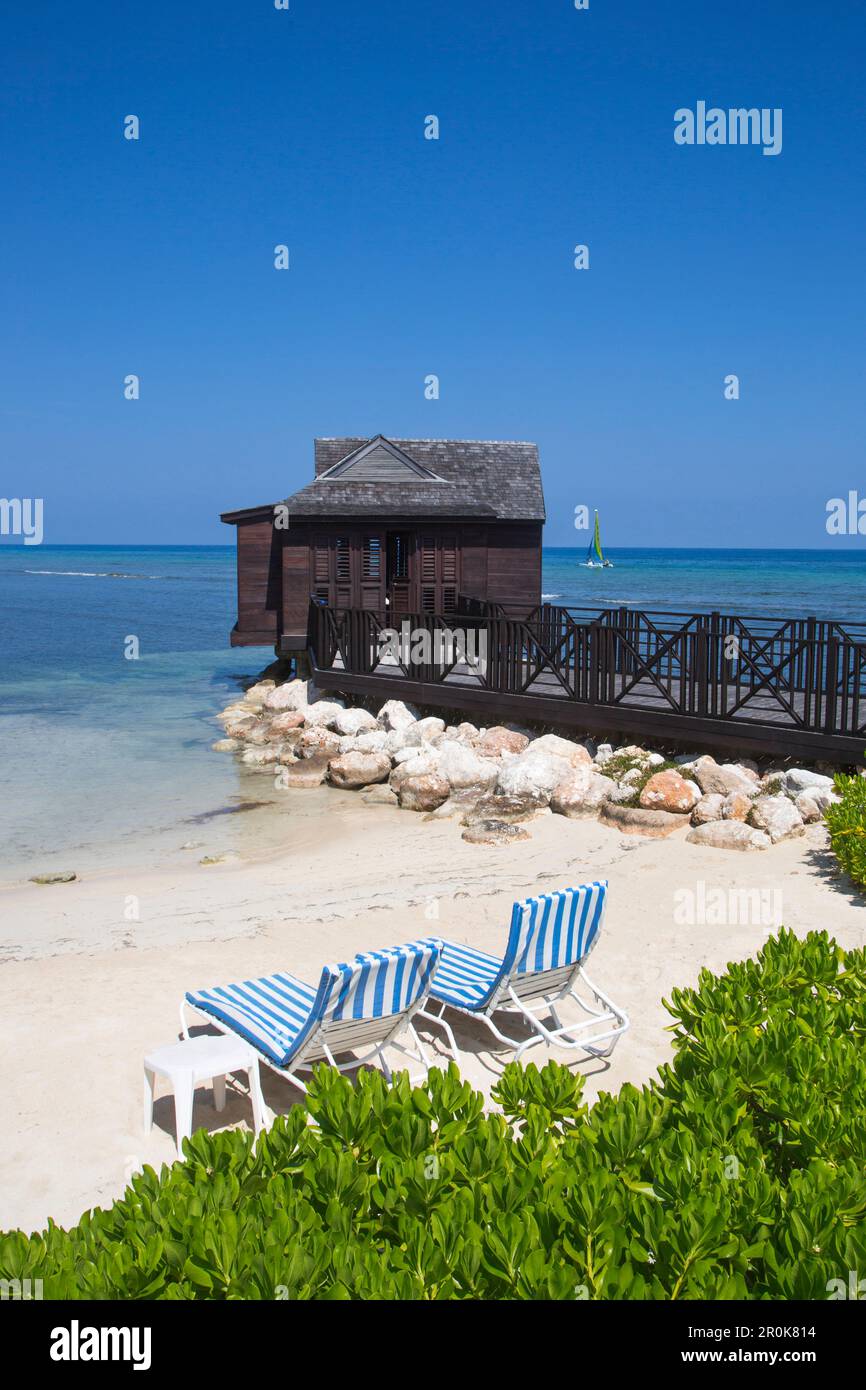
594,558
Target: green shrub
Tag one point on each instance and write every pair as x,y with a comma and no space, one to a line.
738,1173
846,821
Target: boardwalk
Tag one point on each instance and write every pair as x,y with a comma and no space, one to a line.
791,687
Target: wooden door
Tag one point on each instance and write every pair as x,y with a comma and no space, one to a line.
370,561
438,566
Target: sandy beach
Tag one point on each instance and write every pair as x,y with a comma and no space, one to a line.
86,989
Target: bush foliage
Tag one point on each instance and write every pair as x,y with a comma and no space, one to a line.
737,1173
846,821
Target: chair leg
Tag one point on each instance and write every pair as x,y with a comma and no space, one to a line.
183,1094
219,1092
256,1098
149,1080
447,1030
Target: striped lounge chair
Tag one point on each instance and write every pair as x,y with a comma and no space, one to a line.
550,938
365,1004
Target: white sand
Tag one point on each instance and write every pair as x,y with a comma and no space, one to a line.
84,993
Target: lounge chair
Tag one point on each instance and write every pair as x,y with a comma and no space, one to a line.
365,1004
550,938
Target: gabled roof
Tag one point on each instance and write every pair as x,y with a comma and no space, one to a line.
378,461
418,478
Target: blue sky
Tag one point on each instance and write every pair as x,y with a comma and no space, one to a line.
453,257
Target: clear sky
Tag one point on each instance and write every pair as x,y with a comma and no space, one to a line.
412,256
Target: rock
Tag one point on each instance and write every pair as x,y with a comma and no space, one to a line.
317,740
709,808
808,808
668,791
323,714
258,693
502,808
494,832
289,744
463,768
241,728
359,769
395,715
284,723
581,793
354,721
294,695
258,736
632,777
777,816
821,798
426,729
621,794
226,745
801,779
306,772
532,773
654,759
736,807
635,820
458,804
380,795
724,778
728,834
466,733
603,754
372,742
58,876
573,753
227,856
238,710
416,750
426,760
261,757
500,740
423,792
633,753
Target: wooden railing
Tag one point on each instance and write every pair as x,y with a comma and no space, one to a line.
803,673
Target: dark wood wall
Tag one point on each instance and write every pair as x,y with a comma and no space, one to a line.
346,564
260,585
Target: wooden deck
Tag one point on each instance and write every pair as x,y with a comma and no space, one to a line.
789,687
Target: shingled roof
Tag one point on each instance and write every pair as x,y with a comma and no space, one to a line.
417,478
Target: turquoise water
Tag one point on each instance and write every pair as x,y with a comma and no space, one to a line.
787,583
101,753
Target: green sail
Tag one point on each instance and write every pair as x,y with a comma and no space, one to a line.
596,541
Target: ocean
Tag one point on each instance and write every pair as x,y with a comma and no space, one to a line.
109,758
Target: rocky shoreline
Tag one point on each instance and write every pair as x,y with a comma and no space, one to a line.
493,781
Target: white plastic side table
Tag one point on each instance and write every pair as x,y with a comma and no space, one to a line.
186,1063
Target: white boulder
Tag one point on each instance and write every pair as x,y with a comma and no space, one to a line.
461,767
354,721
532,773
573,753
323,714
292,695
801,779
394,714
728,834
777,817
